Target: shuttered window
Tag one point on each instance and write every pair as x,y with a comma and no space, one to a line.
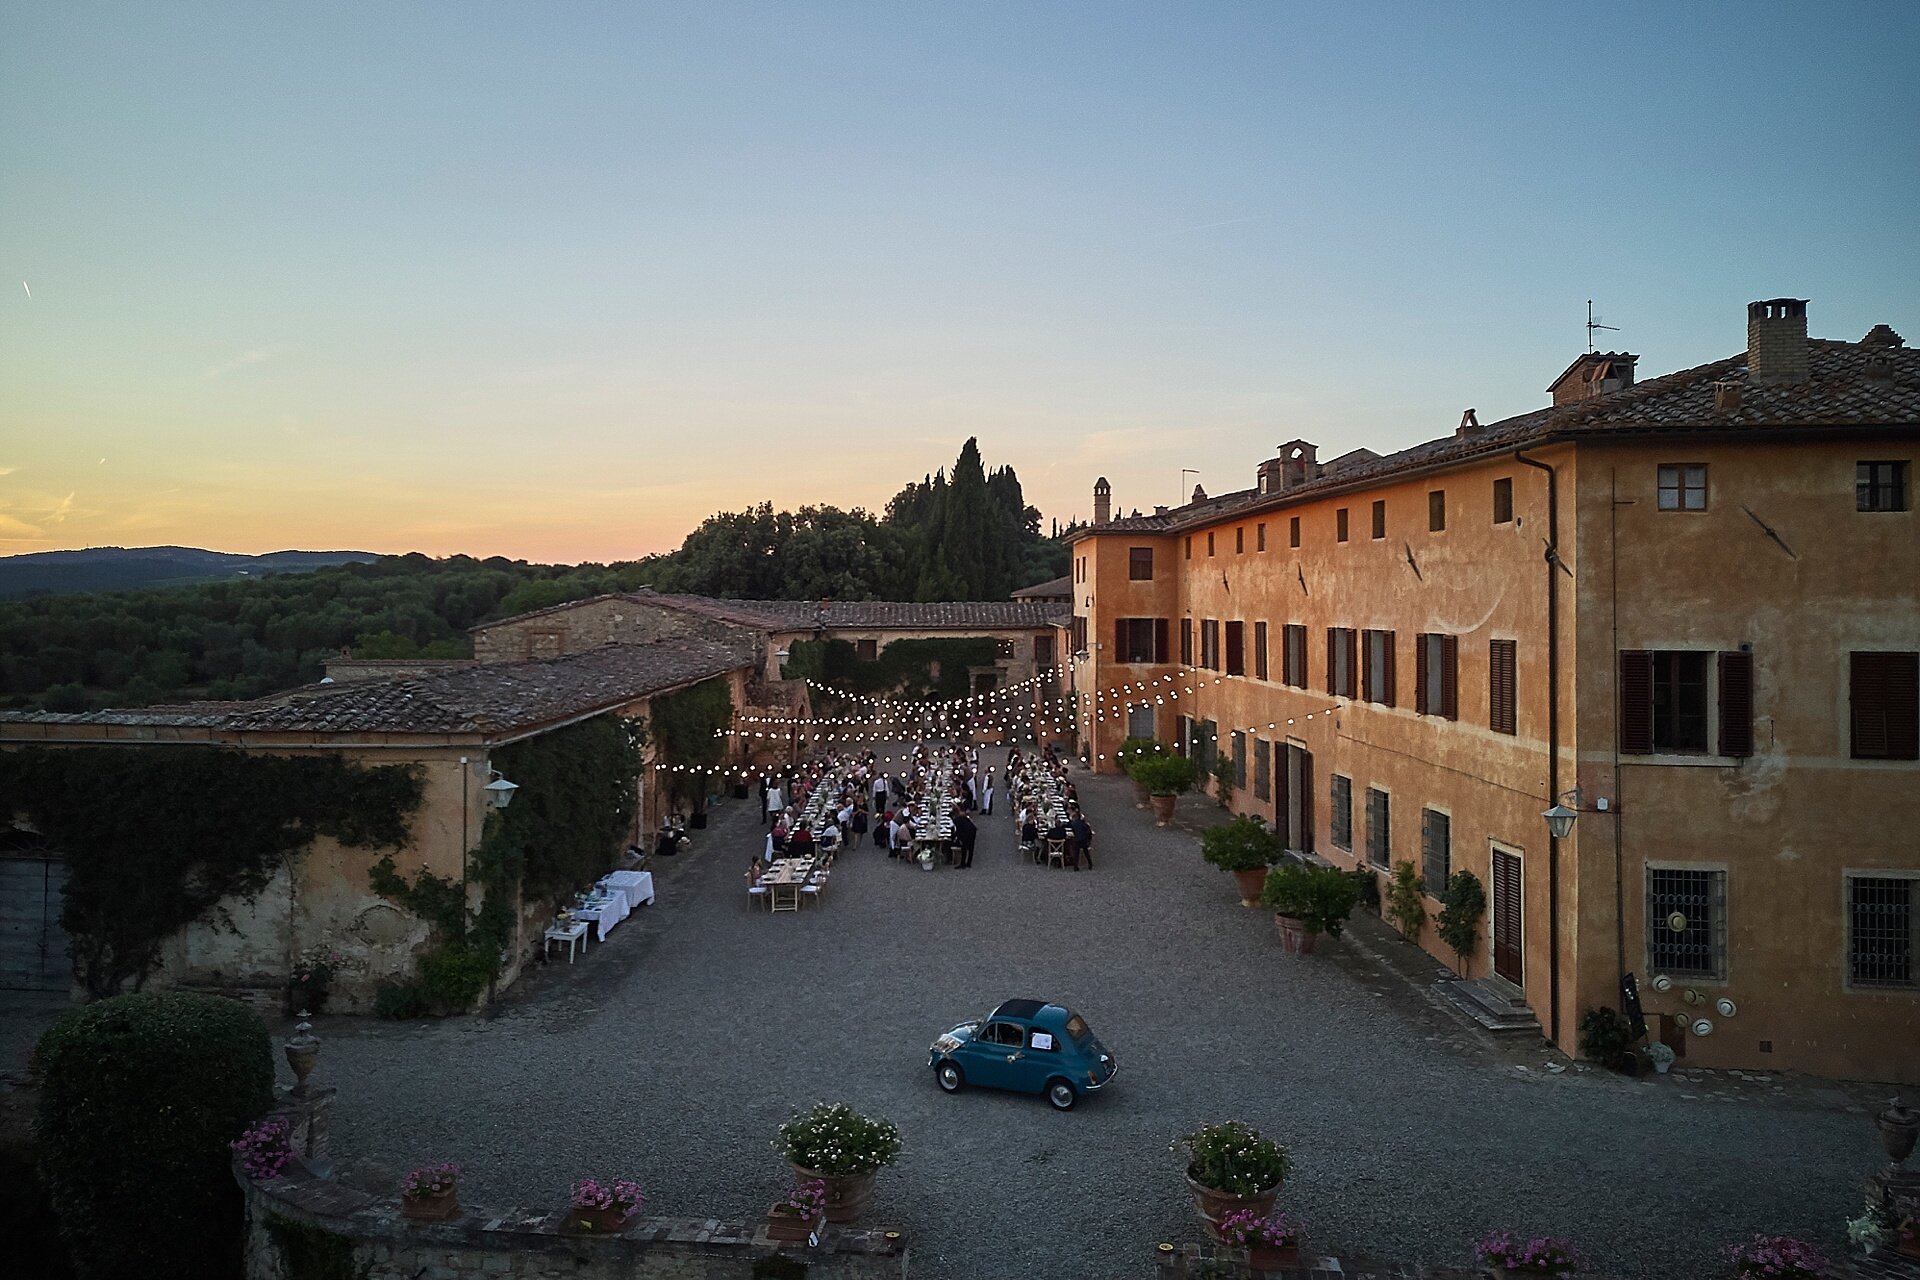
1436,510
1259,649
1501,715
1186,640
1502,500
1239,539
1736,703
1341,659
1140,563
1436,679
1880,486
1293,662
1880,930
1686,921
1340,525
1636,702
1378,675
1340,797
1436,851
1379,845
1139,641
1293,533
1883,696
1379,519
1209,644
1239,760
1262,769
1236,647
1260,537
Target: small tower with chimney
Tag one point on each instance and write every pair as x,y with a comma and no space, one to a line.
1777,341
1102,502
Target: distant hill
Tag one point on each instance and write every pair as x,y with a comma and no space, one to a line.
24,575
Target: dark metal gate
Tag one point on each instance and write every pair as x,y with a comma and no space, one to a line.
33,945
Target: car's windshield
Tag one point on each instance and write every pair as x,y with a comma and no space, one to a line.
1076,1029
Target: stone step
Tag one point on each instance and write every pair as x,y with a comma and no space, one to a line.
1493,1008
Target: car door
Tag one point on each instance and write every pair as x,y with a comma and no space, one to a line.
991,1057
1044,1058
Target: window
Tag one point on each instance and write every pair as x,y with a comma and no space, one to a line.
1239,760
1140,564
1340,525
1880,486
1436,851
1003,648
1236,648
1007,1033
1209,644
1186,640
1239,539
1342,806
1293,659
1500,685
1379,849
1189,548
1686,921
1683,487
1341,662
1040,1041
1434,686
866,649
1379,519
1436,510
1079,635
1502,500
1209,544
1260,538
1665,707
1680,702
1377,677
1139,641
1262,769
1880,923
1884,697
1293,533
1260,649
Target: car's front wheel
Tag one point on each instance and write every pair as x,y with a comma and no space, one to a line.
1061,1095
949,1076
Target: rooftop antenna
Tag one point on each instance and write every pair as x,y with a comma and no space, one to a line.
1593,324
1181,498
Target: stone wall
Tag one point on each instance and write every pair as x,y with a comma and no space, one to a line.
302,1226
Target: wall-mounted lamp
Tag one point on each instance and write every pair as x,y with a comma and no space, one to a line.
1560,817
499,791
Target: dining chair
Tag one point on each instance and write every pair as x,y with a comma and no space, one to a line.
756,891
1057,852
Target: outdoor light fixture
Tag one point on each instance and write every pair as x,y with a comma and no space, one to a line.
499,791
782,654
1560,817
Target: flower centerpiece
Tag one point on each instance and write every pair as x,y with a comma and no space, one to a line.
430,1192
604,1206
310,978
265,1148
1542,1257
1271,1243
801,1215
1773,1258
1231,1168
842,1148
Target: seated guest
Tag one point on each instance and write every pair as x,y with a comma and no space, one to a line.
829,834
755,871
883,830
1029,832
903,834
800,842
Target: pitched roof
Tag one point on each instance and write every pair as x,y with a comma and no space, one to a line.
1059,587
836,614
488,699
1871,384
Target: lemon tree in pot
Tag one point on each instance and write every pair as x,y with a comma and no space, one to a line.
1165,776
1244,848
1308,901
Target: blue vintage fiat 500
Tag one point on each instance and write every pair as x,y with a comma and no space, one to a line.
1027,1046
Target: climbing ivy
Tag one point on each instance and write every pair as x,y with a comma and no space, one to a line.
311,1253
915,668
187,827
578,792
684,724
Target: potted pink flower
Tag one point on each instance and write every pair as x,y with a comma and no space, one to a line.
1272,1244
430,1195
1776,1258
1541,1258
604,1206
265,1148
801,1215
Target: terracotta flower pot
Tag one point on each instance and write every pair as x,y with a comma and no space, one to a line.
586,1219
1163,807
1213,1205
430,1209
1274,1258
791,1228
1251,882
847,1194
1140,795
1295,937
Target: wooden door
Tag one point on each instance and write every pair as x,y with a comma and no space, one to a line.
1506,916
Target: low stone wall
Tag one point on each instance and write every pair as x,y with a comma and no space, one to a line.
300,1226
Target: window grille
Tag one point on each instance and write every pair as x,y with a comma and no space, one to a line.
1694,943
1342,800
1880,930
1436,846
1379,849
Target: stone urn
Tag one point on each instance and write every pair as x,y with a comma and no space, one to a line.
1212,1205
303,1050
1899,1128
1163,807
1251,882
847,1193
1295,937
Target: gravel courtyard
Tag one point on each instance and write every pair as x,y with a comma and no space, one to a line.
674,1050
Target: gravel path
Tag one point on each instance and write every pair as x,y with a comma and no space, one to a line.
674,1050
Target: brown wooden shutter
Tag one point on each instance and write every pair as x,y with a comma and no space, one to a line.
1306,802
1391,649
1333,639
1450,676
1120,641
1883,698
1160,641
1421,696
1736,703
1353,661
1186,640
1501,684
1260,648
1236,647
1636,702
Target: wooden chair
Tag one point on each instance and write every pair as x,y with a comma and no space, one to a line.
754,892
1057,852
814,886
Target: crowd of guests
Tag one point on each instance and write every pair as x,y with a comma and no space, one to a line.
1069,829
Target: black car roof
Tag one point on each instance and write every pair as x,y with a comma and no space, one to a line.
1021,1008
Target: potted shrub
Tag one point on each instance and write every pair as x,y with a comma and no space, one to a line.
1244,848
1406,901
1604,1036
1233,1168
1661,1055
431,1193
841,1148
1165,776
801,1215
603,1206
1271,1243
1308,901
1223,780
1541,1258
1777,1258
1132,751
1459,923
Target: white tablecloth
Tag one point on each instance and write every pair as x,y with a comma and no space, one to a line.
637,884
611,912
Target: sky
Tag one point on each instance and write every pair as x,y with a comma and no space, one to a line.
557,281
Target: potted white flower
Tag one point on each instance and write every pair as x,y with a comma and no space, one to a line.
1661,1055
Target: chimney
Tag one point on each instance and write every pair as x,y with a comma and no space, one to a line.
1469,425
1777,341
1159,510
1199,493
1727,394
1593,374
1102,502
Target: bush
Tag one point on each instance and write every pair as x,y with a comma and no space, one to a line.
1604,1034
1460,915
453,977
1240,844
1406,903
141,1096
1318,896
1235,1158
34,1247
1366,889
835,1140
398,1001
1133,749
1164,773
